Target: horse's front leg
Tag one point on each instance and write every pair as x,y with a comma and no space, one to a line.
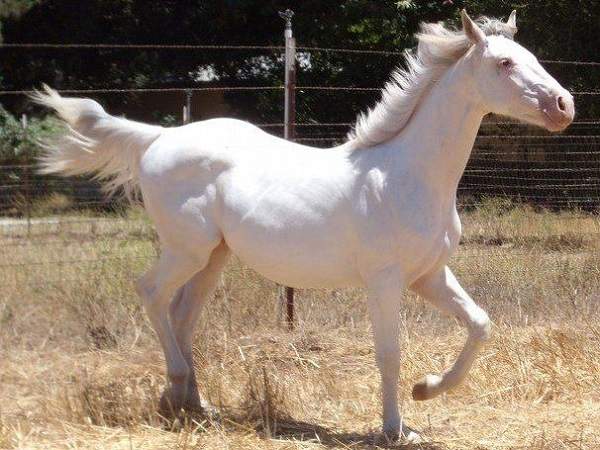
443,290
385,292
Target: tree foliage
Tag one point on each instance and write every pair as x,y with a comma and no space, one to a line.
552,29
19,144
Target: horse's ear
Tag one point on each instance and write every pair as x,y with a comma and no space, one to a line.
471,29
512,19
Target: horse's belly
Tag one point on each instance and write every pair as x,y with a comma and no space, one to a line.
296,260
302,276
293,229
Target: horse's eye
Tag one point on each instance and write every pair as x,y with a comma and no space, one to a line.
506,63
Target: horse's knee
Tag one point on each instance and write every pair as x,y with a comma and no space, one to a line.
176,304
151,296
480,325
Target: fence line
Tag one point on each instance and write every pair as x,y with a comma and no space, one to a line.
61,262
486,123
47,45
557,145
454,259
544,202
94,239
222,88
350,124
470,172
510,159
541,187
50,45
75,221
143,90
538,169
540,136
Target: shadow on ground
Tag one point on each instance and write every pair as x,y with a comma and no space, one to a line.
299,431
303,431
279,426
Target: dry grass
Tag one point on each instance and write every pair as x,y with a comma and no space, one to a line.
80,367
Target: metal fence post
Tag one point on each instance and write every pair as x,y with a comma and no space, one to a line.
27,181
290,76
289,120
187,108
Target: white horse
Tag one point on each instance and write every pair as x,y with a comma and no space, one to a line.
378,211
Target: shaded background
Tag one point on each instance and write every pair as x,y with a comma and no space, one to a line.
510,160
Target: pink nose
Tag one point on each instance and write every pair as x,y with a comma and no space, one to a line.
561,110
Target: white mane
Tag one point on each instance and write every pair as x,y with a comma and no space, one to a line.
438,49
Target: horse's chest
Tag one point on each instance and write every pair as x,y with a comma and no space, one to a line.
442,245
423,253
447,245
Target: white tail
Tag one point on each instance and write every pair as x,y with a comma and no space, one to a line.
95,142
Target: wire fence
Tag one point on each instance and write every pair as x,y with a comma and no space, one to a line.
46,222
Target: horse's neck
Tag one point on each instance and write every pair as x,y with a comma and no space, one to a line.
439,138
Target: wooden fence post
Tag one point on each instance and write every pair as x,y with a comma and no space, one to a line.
289,122
187,108
27,182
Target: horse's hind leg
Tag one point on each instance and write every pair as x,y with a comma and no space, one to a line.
156,288
185,311
443,290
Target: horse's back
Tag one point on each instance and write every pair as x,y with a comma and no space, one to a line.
197,144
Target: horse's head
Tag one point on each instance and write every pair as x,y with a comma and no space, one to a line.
510,80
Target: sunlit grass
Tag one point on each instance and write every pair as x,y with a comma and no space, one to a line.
81,368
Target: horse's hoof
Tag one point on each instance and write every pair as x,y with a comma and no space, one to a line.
411,437
419,391
168,406
391,435
209,411
203,408
407,436
426,388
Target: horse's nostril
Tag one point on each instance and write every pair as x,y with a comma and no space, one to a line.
561,104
